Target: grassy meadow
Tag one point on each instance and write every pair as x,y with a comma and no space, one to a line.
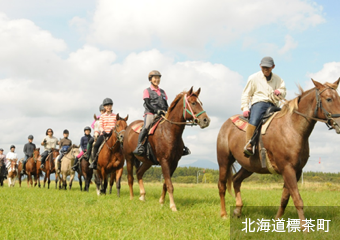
33,213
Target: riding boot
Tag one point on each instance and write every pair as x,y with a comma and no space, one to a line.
75,165
140,149
88,152
248,148
23,167
94,163
186,151
42,163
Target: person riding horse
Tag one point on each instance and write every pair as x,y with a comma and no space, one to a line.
155,102
64,145
3,160
28,151
83,144
107,122
262,91
49,143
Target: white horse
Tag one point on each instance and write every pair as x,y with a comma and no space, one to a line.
66,166
12,172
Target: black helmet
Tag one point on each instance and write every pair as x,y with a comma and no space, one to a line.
107,101
87,128
66,131
30,137
1,149
12,147
101,108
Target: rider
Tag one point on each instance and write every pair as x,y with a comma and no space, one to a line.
4,161
155,102
262,91
49,143
28,151
90,143
11,155
83,144
64,145
107,122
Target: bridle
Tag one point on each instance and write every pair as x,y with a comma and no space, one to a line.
329,116
187,110
117,137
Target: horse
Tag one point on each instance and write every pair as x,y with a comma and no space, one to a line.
49,166
12,172
66,166
2,172
31,169
166,142
116,176
286,143
111,157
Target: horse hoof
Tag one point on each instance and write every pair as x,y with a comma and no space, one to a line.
142,198
237,213
98,192
174,209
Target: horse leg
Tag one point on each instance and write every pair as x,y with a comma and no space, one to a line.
71,180
64,181
237,180
111,181
48,180
129,167
98,181
119,174
28,180
104,181
140,172
80,182
164,189
170,188
285,197
19,178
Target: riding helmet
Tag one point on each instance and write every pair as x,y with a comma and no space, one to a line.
66,131
1,149
101,108
154,73
12,147
107,101
87,128
30,137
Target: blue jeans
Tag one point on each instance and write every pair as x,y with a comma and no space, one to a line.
257,111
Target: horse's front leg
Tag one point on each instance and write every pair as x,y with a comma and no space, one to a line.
140,172
71,180
290,180
119,174
97,180
167,180
80,181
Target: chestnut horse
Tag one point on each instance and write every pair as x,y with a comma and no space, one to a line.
85,172
111,156
31,169
166,142
116,176
49,166
12,172
286,142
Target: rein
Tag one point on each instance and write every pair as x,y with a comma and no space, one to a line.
186,109
117,137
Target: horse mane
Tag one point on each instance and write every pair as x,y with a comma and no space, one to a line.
175,101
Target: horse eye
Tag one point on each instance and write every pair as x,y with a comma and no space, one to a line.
328,99
193,103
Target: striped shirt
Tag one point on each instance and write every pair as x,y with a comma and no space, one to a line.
107,121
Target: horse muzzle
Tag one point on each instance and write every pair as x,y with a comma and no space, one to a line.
203,122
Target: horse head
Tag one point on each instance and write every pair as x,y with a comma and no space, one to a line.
193,109
328,103
121,125
36,153
74,150
96,128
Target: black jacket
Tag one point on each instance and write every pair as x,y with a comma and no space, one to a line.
28,149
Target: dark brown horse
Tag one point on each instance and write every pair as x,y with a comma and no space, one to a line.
166,142
111,156
2,172
116,176
31,169
49,166
85,172
286,142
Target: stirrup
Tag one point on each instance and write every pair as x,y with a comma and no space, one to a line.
140,150
42,166
245,150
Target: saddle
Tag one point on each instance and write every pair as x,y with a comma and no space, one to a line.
137,128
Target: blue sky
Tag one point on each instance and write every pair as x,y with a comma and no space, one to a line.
61,58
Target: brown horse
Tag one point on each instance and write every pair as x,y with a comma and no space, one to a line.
2,172
31,169
85,172
111,156
167,144
116,177
49,166
286,142
12,172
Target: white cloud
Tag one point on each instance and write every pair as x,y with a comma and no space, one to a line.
190,25
290,44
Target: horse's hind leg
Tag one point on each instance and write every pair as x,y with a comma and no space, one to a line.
237,180
119,174
129,167
285,197
112,179
140,172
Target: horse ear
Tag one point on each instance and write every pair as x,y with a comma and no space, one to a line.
95,117
337,83
127,117
317,84
117,116
190,91
198,92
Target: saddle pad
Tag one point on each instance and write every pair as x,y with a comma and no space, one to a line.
138,127
153,128
242,124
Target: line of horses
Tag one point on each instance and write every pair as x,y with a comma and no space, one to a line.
286,144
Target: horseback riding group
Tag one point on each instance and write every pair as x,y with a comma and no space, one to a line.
264,139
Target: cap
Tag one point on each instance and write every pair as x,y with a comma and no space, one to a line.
267,62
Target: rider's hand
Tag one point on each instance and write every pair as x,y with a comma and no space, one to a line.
246,113
160,112
277,92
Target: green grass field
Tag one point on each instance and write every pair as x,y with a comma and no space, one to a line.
33,213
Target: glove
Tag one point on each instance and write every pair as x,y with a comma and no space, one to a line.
105,134
246,113
160,112
277,92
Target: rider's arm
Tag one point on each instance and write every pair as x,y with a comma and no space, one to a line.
25,150
247,93
148,104
282,88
